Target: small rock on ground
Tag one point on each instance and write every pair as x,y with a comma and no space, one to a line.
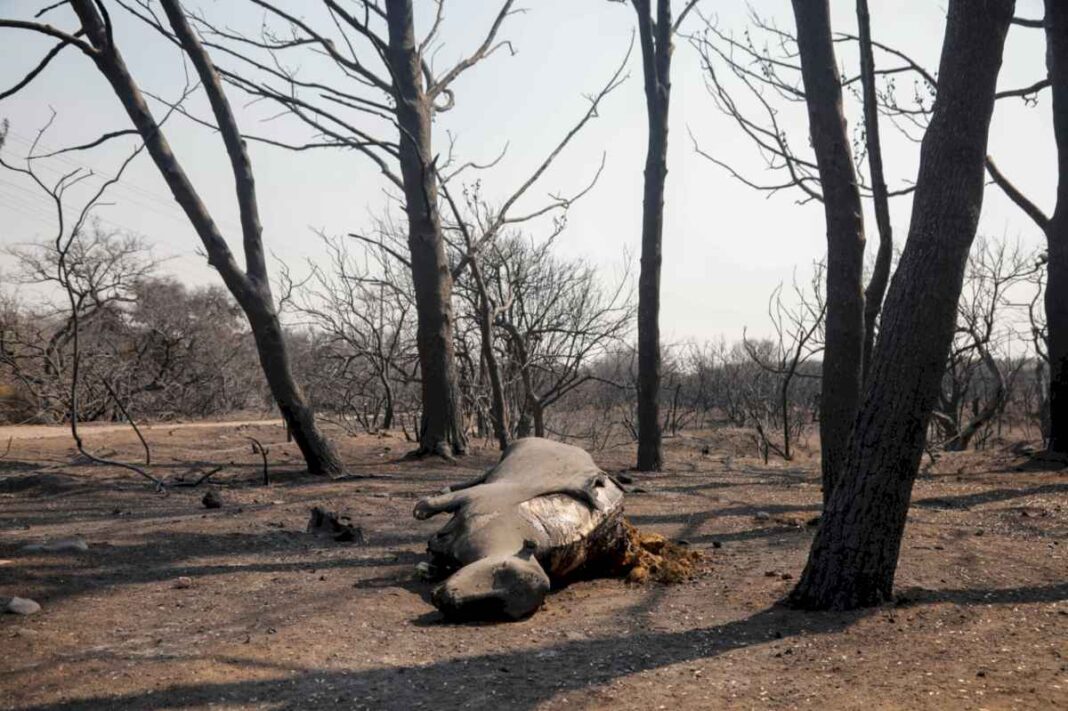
21,606
63,545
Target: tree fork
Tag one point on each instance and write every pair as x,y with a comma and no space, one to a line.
854,556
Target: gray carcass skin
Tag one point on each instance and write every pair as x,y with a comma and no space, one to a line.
545,513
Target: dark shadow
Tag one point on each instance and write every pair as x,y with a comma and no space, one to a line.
697,488
164,558
517,680
966,501
526,678
11,466
1042,462
752,534
687,517
1054,592
753,510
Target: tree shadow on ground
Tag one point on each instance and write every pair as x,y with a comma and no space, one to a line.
168,556
967,501
1030,594
525,678
518,679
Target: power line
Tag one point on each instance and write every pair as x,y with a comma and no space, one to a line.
134,194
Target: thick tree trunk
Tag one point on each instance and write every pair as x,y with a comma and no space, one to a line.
656,65
1057,230
880,275
844,326
855,552
251,288
441,429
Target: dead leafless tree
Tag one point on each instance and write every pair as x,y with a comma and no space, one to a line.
801,68
558,319
799,336
656,35
981,370
96,39
68,234
383,82
854,556
361,312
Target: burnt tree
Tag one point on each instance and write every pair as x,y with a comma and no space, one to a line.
854,556
844,325
250,286
1057,230
382,73
655,35
441,430
1054,227
880,273
801,67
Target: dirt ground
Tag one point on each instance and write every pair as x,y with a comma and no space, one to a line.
267,617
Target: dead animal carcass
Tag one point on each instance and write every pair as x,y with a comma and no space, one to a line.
544,514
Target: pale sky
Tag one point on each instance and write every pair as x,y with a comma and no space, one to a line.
726,247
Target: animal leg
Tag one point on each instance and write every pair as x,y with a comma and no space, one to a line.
585,491
443,503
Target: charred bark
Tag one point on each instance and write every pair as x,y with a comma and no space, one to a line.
854,555
844,325
493,369
441,430
1057,230
656,66
880,275
251,286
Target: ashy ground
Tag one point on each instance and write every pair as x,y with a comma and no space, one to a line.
174,606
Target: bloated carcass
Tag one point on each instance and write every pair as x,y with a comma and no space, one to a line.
544,514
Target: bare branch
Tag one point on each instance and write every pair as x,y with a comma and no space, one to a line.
485,50
1014,194
36,70
51,31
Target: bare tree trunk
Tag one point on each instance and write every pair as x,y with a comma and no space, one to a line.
784,404
485,326
1057,230
962,438
532,414
880,276
251,287
441,429
844,326
299,417
656,65
387,390
538,411
854,555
